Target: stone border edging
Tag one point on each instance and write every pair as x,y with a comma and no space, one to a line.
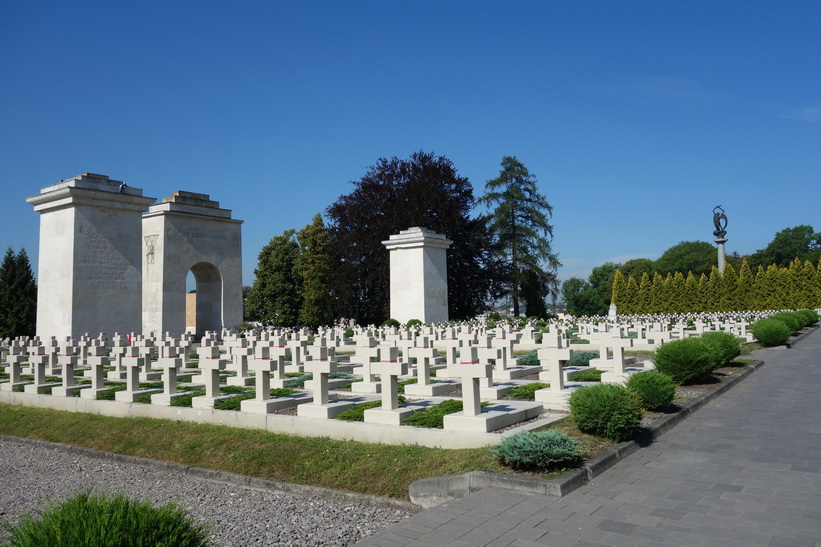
435,490
233,479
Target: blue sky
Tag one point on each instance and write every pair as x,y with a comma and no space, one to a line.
637,118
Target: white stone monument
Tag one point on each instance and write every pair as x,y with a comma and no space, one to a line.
418,275
90,261
190,232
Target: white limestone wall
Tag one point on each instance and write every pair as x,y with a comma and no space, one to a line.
90,264
55,282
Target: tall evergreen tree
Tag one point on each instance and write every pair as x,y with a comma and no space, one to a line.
728,292
313,269
678,294
691,297
745,294
644,302
520,225
619,288
18,296
631,297
275,297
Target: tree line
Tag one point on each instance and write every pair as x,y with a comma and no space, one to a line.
685,264
18,296
339,269
797,286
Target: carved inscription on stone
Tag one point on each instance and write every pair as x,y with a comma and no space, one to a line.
202,233
104,264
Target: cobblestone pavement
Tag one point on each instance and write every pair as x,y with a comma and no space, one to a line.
743,470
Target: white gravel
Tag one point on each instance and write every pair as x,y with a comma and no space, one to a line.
33,475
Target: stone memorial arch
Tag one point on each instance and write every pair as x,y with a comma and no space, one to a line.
190,232
110,261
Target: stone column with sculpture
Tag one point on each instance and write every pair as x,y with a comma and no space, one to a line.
720,221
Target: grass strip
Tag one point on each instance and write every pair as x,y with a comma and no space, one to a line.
381,470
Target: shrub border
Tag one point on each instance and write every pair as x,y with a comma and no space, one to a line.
435,490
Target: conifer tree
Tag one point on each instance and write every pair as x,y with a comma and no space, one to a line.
275,297
691,296
631,297
745,287
313,268
728,289
520,224
619,286
658,299
18,296
644,301
806,281
703,294
760,290
677,293
713,297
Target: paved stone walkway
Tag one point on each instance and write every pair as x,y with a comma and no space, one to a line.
743,470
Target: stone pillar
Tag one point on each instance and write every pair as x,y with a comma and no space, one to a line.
418,275
90,260
721,258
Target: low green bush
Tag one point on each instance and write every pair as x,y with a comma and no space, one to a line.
185,399
357,412
655,390
526,391
529,359
391,323
770,332
434,416
233,403
810,317
582,358
538,449
792,319
589,375
412,323
88,519
607,410
723,346
685,361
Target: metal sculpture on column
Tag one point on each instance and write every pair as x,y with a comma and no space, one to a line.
720,221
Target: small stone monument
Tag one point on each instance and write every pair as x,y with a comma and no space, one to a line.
419,275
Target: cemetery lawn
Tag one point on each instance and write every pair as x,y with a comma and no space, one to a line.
375,469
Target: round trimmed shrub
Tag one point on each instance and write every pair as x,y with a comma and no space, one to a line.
539,449
793,320
607,410
88,519
770,332
391,323
810,317
723,346
685,361
412,323
656,390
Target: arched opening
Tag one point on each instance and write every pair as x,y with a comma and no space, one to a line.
203,306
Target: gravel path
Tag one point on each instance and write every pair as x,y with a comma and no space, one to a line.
32,475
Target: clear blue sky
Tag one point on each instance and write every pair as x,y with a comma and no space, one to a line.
637,118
